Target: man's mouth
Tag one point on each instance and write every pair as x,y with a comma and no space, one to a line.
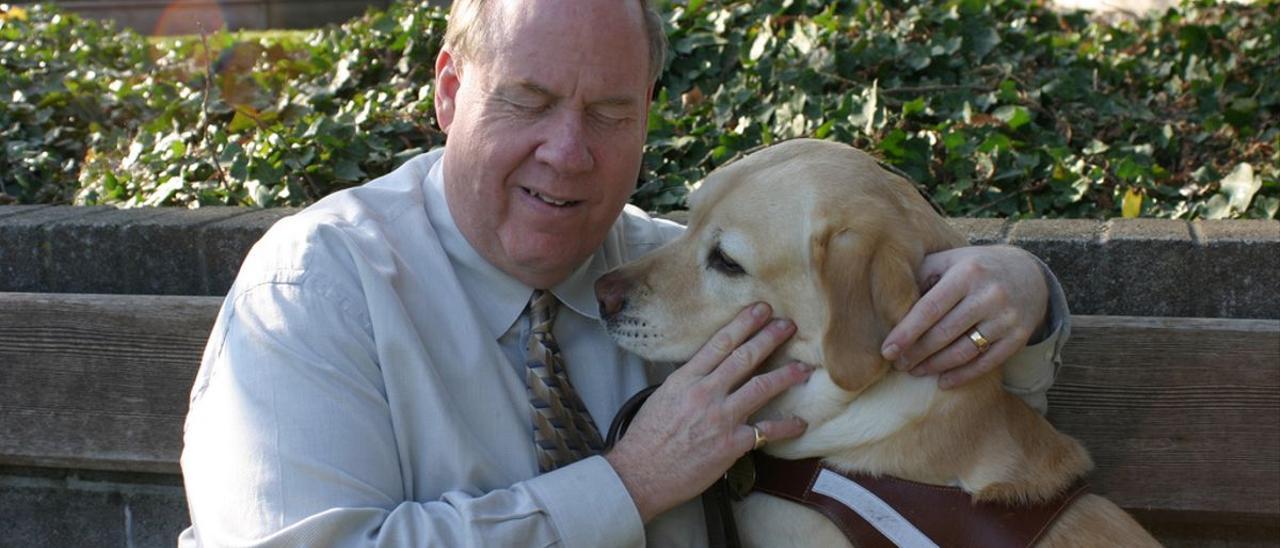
549,200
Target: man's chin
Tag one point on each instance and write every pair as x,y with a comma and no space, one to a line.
545,264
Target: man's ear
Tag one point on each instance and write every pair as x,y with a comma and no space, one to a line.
870,285
448,79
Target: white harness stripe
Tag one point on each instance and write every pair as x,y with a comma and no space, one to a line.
877,512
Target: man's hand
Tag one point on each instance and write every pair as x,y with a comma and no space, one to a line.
998,290
694,426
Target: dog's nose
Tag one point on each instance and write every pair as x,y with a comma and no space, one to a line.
611,293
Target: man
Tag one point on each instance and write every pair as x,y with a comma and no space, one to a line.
367,380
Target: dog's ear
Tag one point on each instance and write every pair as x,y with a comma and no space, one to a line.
870,285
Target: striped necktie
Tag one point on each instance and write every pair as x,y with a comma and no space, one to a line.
562,429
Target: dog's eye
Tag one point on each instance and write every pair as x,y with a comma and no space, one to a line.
719,261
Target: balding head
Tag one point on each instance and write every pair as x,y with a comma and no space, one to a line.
473,26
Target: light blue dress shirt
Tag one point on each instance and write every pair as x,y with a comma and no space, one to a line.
363,385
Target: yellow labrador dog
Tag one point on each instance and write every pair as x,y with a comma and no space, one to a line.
831,240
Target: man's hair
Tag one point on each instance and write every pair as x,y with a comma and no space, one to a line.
469,30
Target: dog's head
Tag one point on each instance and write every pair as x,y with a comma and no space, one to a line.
816,229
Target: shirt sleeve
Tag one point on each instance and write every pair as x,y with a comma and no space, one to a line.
1030,373
289,442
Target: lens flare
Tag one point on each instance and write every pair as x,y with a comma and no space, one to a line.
190,17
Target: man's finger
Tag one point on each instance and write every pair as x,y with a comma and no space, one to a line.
728,339
933,267
772,430
994,356
931,308
959,350
749,355
754,393
958,353
956,325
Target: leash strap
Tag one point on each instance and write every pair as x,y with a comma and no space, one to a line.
722,530
623,419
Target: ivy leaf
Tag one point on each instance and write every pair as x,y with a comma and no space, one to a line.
1096,147
1242,112
912,107
1194,39
348,170
918,58
982,40
1239,186
1015,116
164,191
1128,170
1217,207
1131,205
240,122
692,8
869,108
1270,206
761,43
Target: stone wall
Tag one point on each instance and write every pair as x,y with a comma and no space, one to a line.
1138,267
42,507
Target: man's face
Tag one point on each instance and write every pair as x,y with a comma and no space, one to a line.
546,127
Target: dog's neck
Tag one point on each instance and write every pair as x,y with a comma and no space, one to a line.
975,436
879,412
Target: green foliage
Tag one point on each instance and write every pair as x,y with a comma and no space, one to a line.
215,120
1000,108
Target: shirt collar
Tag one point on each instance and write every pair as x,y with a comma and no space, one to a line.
498,298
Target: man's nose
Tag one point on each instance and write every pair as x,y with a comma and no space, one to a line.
566,148
611,293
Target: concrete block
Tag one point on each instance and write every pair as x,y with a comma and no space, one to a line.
8,210
157,518
61,508
224,245
95,254
1140,267
982,231
1147,263
147,251
25,254
168,251
1238,270
1072,248
19,264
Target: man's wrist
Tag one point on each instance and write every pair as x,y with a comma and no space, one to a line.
637,486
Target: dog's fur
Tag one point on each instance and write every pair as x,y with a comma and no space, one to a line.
832,241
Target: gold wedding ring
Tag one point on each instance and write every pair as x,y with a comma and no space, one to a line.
979,341
760,439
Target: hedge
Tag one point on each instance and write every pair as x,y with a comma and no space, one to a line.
1002,108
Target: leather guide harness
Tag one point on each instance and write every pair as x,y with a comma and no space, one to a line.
947,516
941,516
